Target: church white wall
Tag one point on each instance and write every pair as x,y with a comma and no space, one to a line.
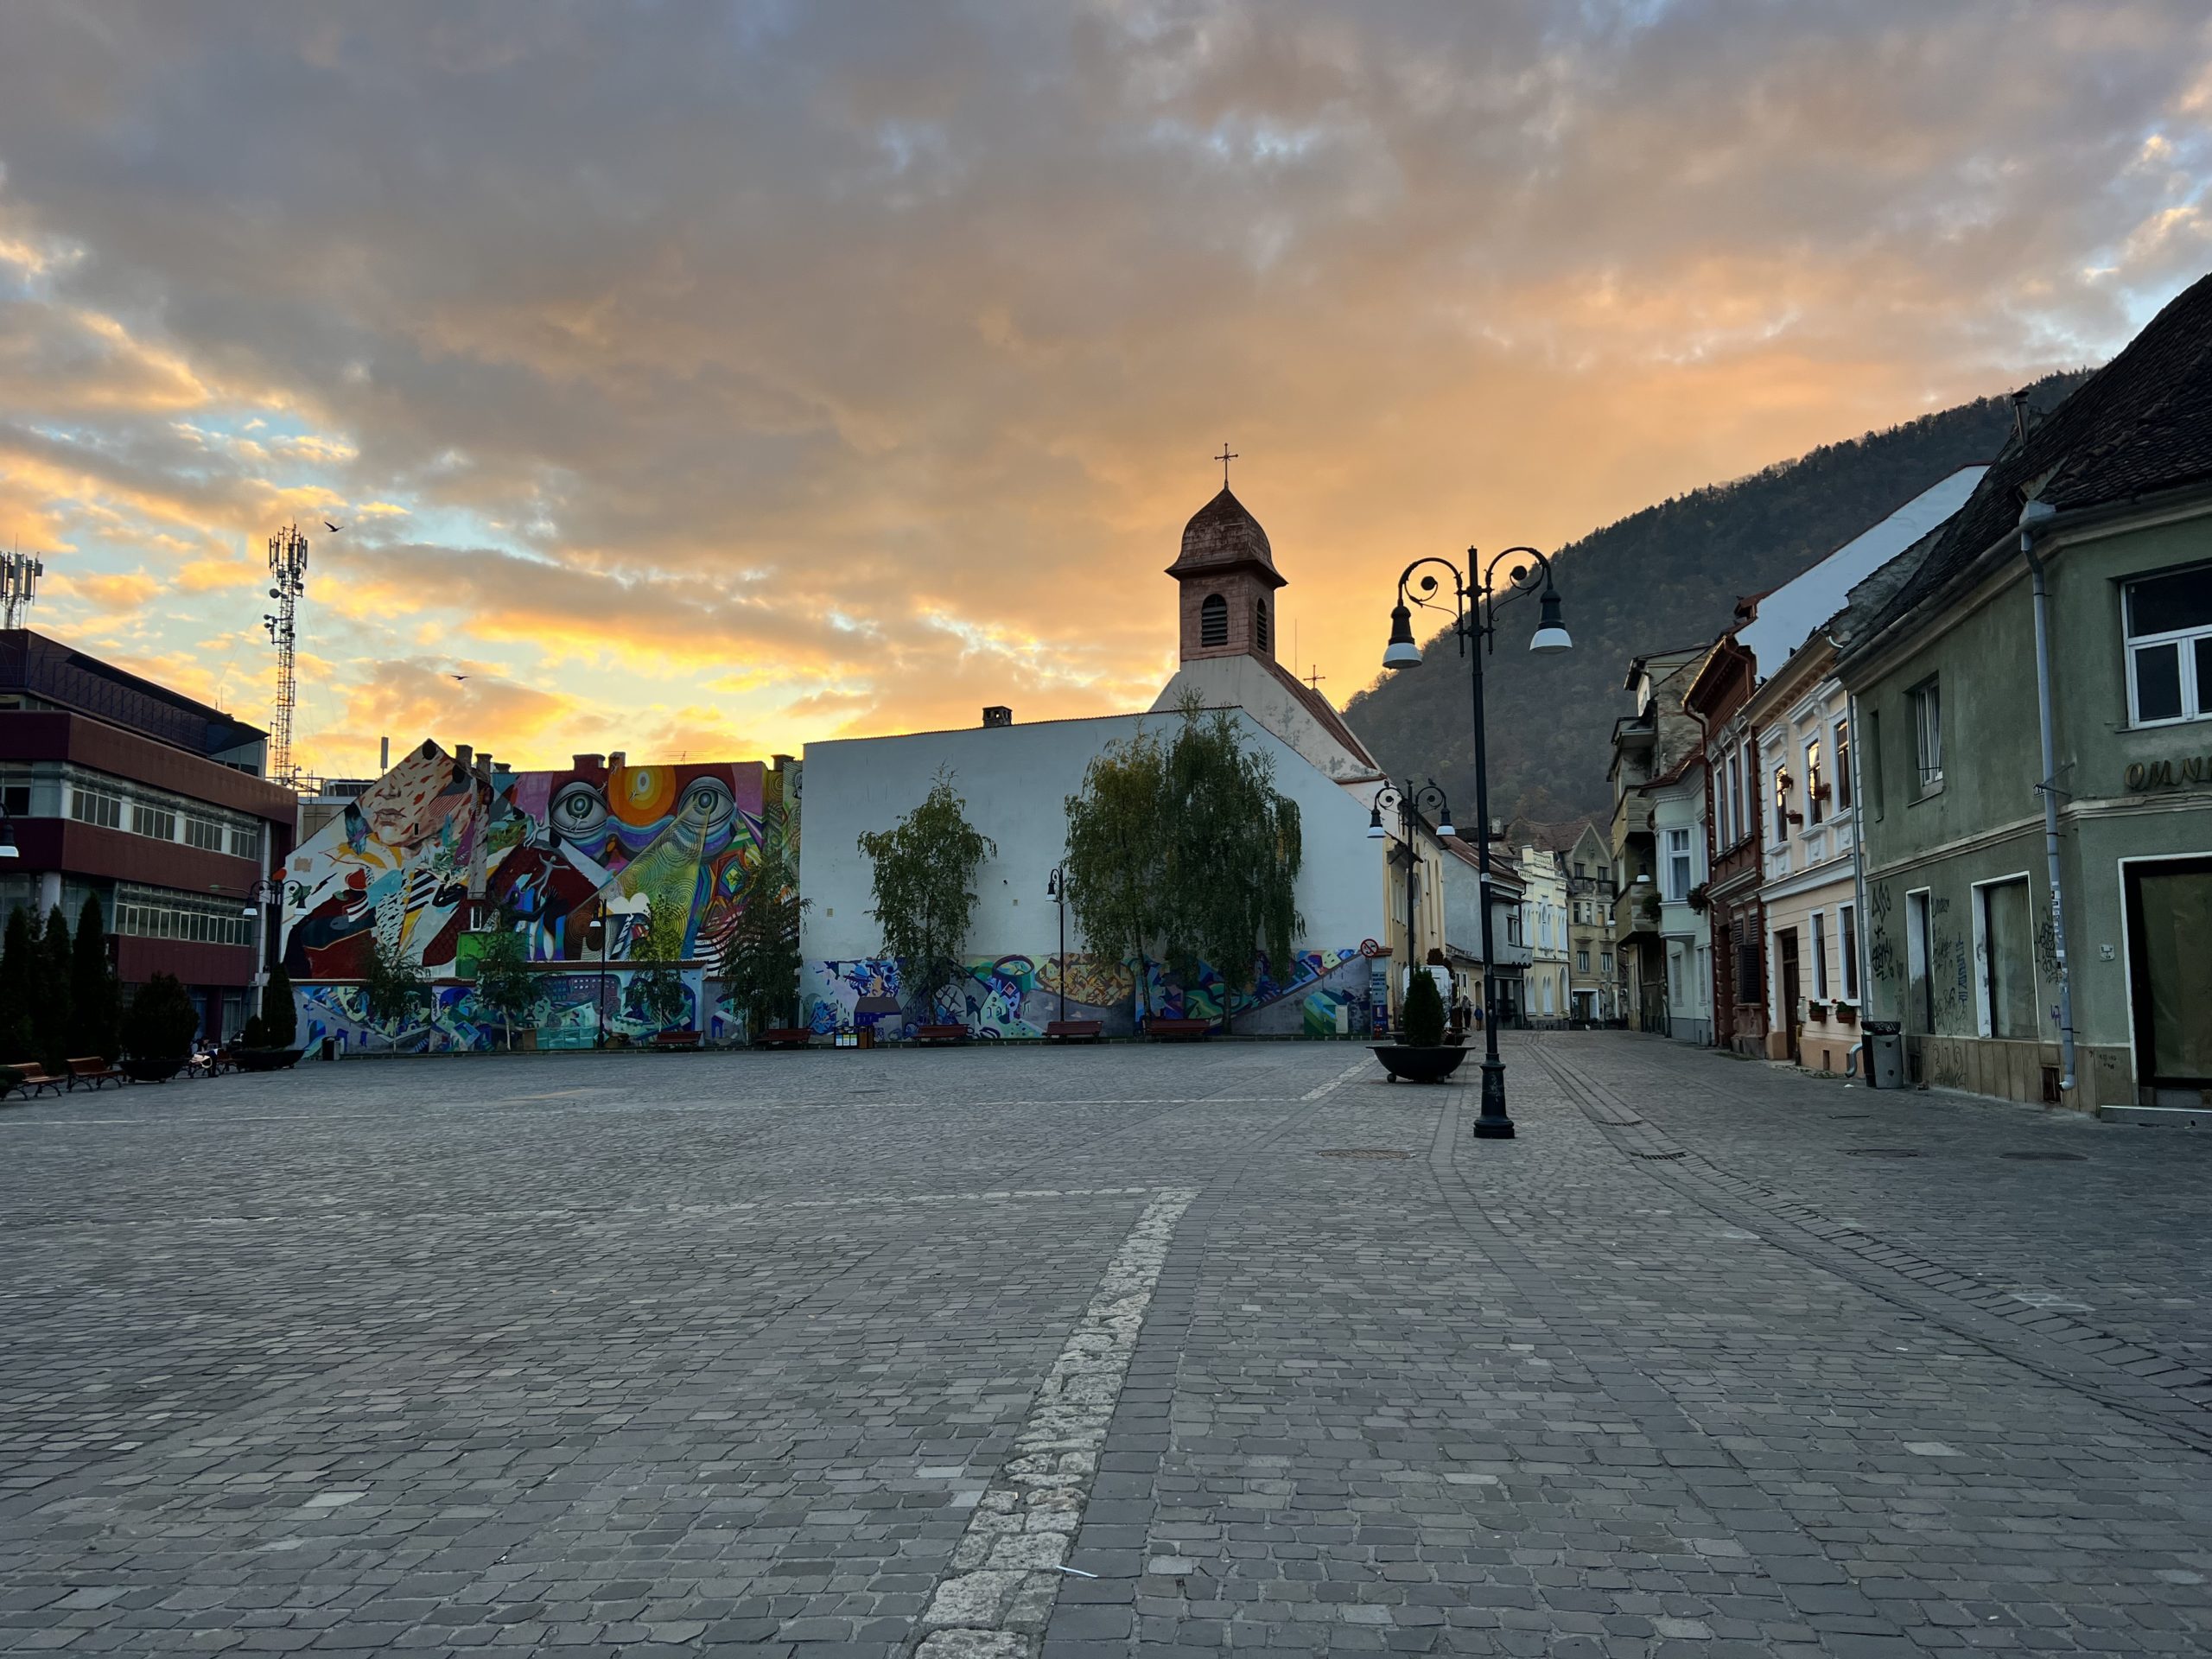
1242,682
1015,780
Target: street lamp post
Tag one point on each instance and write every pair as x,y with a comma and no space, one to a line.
1056,888
1475,597
1409,801
599,997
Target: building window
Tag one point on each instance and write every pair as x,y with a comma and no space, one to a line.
1927,735
1843,766
1847,924
1260,624
15,796
1815,782
1739,823
156,822
1678,866
1213,621
203,833
1820,957
1582,960
96,806
245,841
157,913
2008,949
1608,961
2169,646
1781,805
1874,761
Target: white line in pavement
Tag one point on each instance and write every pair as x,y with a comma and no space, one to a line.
1348,1074
1004,1570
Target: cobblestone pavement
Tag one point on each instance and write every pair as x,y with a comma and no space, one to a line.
854,1352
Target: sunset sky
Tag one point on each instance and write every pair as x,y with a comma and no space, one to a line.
707,378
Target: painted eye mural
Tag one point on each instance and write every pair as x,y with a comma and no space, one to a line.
578,814
710,803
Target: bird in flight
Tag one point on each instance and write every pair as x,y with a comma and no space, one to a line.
332,528
456,676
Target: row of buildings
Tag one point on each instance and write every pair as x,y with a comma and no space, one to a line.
1956,778
614,871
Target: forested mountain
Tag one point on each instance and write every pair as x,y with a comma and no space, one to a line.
1667,576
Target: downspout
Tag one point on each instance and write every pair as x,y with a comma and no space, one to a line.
1712,966
2035,516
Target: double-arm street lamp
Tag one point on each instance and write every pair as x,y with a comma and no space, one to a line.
1476,596
1409,802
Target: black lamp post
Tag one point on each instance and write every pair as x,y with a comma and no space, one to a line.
1476,596
1056,888
1410,802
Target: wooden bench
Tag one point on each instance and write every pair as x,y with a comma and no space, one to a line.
1176,1031
784,1037
92,1069
940,1033
677,1040
1075,1031
36,1079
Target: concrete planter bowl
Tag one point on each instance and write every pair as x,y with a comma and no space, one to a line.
1410,1064
150,1070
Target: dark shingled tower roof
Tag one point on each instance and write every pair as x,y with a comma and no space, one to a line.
1223,536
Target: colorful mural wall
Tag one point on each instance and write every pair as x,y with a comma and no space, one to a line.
1016,996
577,860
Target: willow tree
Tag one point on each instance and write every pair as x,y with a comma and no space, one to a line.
1186,852
1116,853
923,885
1234,849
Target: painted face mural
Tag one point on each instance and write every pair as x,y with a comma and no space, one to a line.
561,851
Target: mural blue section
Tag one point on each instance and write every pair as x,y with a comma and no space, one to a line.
1018,996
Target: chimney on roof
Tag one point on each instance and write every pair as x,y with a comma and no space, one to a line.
464,755
998,714
588,762
617,760
384,756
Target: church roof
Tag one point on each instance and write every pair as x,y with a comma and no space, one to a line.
1222,536
1315,704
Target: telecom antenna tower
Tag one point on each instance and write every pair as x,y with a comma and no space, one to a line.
19,575
288,569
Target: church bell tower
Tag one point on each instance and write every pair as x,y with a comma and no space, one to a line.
1228,577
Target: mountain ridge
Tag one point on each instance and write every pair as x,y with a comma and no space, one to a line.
1663,577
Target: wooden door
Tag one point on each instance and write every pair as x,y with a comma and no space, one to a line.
1786,951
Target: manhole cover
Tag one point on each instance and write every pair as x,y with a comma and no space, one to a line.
1363,1152
2045,1157
1849,1117
1884,1152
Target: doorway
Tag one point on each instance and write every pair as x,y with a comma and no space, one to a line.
1919,953
1785,949
2170,975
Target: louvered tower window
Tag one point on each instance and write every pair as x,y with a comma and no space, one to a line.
1213,621
1260,623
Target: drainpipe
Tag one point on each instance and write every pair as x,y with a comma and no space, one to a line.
1859,881
2037,516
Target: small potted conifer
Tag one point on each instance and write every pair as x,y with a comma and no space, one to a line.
1421,1055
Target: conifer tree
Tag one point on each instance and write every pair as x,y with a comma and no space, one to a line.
96,1001
19,967
50,1005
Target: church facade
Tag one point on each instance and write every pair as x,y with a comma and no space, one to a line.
1014,780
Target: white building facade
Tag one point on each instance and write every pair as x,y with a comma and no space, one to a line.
1015,780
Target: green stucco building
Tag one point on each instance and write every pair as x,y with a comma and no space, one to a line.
2106,505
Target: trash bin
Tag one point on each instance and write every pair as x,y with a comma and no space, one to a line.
1884,1054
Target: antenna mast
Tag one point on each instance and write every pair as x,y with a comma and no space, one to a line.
19,575
287,570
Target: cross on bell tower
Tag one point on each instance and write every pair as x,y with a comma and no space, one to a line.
1226,455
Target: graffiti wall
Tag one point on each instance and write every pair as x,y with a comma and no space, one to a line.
1017,996
579,862
571,1010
